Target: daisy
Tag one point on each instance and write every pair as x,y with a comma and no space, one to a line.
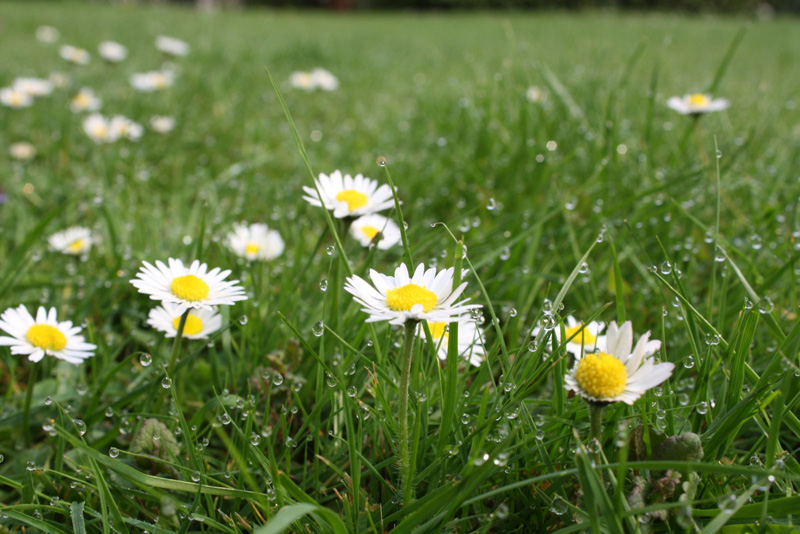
192,287
697,104
74,241
112,51
147,82
14,98
303,80
349,197
43,335
172,46
124,127
58,79
74,54
580,338
161,124
47,34
425,296
99,129
324,80
85,100
470,346
255,242
619,373
368,228
22,151
534,94
33,86
199,323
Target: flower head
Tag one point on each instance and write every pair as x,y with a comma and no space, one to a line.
74,241
156,80
22,150
697,104
427,295
172,46
580,338
85,100
303,80
47,34
34,86
324,80
470,344
112,51
255,241
188,287
58,79
349,197
377,229
199,323
124,127
14,98
43,335
74,54
161,124
99,130
619,373
534,94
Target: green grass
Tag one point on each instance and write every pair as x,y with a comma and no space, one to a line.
500,448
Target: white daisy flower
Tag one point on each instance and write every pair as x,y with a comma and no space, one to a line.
324,80
33,86
534,94
43,335
85,100
156,80
697,104
74,241
349,197
303,80
470,345
619,373
112,51
22,151
58,79
199,323
124,127
580,338
425,296
255,242
369,227
172,46
188,287
99,130
14,98
47,34
161,124
73,54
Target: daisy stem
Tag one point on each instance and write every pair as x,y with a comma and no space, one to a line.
406,475
176,345
27,409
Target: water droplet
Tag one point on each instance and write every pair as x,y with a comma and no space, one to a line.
225,419
688,362
319,328
381,161
702,408
145,359
166,383
255,439
80,426
323,285
277,379
558,505
765,305
351,391
48,401
330,250
666,268
243,320
195,476
113,452
727,504
584,268
491,204
719,154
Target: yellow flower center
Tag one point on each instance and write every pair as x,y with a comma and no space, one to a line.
189,287
406,297
251,249
100,131
46,337
76,247
601,375
16,99
193,326
585,338
437,330
698,99
159,81
370,231
81,100
355,199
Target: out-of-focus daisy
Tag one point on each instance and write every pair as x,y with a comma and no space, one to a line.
161,124
349,197
172,46
580,338
303,80
534,94
124,127
112,51
14,98
85,100
697,104
199,323
470,346
255,241
324,80
58,79
22,151
188,287
33,86
47,34
74,241
99,130
425,296
619,373
147,82
369,227
42,335
74,54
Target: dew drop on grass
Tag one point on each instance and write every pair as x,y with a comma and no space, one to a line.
277,379
727,504
145,359
323,285
351,391
702,408
491,204
255,439
225,419
196,476
2,458
319,328
558,505
48,401
748,304
113,452
539,435
166,383
110,412
584,268
666,268
243,320
381,161
688,362
765,306
330,250
80,426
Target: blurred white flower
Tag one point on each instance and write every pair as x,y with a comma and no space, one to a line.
324,79
172,46
112,51
14,98
58,79
255,242
85,100
33,86
534,94
47,34
470,345
22,150
99,130
74,241
302,80
697,104
161,124
122,126
74,54
147,82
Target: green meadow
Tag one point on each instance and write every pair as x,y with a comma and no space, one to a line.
585,197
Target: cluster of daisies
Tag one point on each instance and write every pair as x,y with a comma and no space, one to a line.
318,78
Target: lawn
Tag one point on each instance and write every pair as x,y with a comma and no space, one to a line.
585,197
